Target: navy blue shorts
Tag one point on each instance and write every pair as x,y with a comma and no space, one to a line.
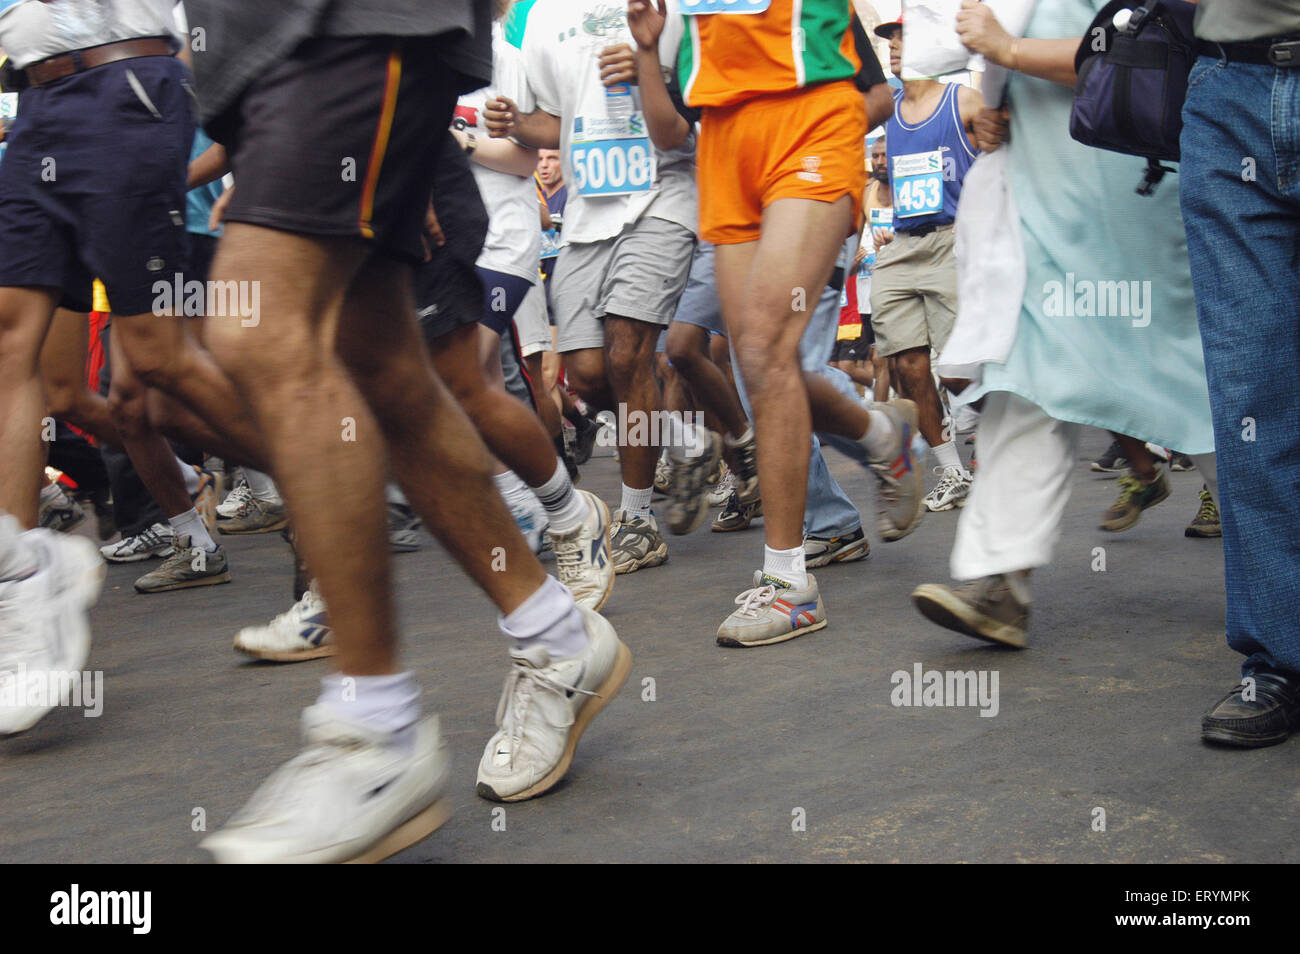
93,183
502,296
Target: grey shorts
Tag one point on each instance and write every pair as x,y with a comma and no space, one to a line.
532,329
699,304
638,274
914,292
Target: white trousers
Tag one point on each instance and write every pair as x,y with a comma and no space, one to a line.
1012,517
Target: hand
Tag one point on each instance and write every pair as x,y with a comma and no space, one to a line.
859,255
500,116
617,64
979,31
219,209
645,18
882,238
432,227
991,128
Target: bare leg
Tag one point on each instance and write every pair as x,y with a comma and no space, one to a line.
630,354
547,409
688,350
25,315
916,383
1140,460
63,370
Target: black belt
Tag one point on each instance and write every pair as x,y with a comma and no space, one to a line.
1282,52
925,229
836,281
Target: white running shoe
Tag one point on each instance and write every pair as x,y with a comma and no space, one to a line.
235,501
351,795
722,489
150,543
951,490
582,558
300,632
530,517
544,709
44,630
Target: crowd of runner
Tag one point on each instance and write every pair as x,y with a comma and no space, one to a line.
351,268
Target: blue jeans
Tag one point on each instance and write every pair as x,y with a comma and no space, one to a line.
828,511
1240,192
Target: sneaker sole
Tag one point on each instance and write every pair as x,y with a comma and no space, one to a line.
1221,735
732,642
287,655
1115,526
907,410
137,558
593,500
847,555
1204,534
940,606
188,584
67,527
223,526
604,693
656,557
406,834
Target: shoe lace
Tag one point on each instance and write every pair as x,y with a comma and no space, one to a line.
522,683
1209,511
753,600
1130,488
949,479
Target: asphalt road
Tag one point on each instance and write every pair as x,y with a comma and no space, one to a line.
788,753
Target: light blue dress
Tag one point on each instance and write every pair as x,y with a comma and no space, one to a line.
1107,333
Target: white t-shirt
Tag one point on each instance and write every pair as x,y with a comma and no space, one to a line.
561,44
514,239
32,31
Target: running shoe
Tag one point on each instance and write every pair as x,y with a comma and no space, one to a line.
403,528
1112,461
951,490
746,456
235,500
583,560
150,543
688,486
636,543
545,707
845,548
1134,497
351,795
773,612
900,498
736,515
663,474
187,566
255,516
300,632
60,512
1206,523
584,439
205,498
994,608
722,489
1180,462
44,628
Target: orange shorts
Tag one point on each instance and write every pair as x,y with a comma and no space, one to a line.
804,144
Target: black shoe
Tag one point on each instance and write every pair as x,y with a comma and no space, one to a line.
1113,461
1266,719
584,439
1179,461
562,451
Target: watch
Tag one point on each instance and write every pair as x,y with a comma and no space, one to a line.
471,143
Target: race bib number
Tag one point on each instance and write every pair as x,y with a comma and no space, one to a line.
882,225
699,8
918,184
613,166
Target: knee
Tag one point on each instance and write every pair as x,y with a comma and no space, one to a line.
683,352
61,399
128,410
586,372
913,364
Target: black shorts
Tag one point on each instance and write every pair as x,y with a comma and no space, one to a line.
448,289
855,349
340,139
93,183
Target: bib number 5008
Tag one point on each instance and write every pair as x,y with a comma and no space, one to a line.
612,168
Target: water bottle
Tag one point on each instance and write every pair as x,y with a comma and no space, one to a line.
618,102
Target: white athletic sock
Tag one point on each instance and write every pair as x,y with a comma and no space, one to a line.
510,485
16,561
389,704
636,502
393,494
51,492
262,486
550,618
191,476
744,438
947,455
190,522
565,507
787,565
879,439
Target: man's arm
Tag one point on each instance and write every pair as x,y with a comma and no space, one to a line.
969,105
208,166
979,30
876,93
500,155
538,129
667,128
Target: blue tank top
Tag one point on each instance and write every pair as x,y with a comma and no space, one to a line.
927,163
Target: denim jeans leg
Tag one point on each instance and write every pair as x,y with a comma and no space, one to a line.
1240,193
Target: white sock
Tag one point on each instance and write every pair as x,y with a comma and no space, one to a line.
510,485
787,565
565,507
191,476
636,502
262,486
744,438
879,439
51,492
549,618
16,562
947,455
389,704
191,523
393,494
